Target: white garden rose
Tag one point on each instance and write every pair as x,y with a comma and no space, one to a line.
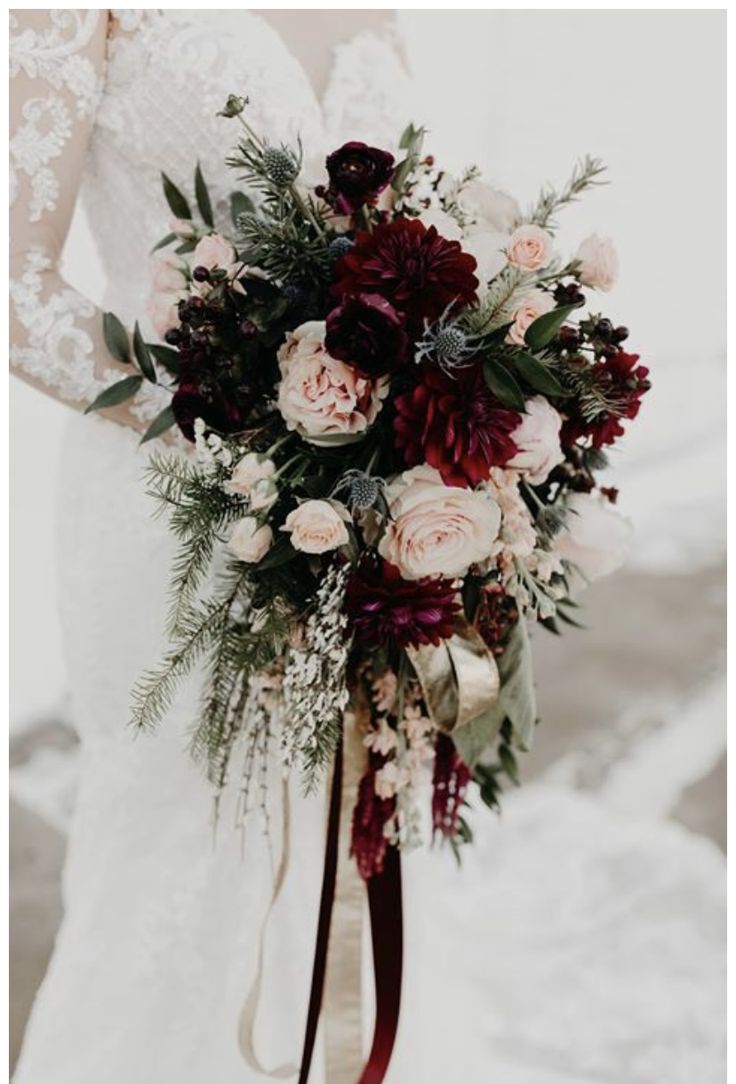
530,247
488,207
325,400
538,439
443,222
598,261
534,305
437,530
250,542
489,250
249,470
317,526
595,539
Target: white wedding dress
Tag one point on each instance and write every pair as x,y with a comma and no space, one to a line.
574,945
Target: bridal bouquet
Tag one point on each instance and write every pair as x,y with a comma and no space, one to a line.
399,405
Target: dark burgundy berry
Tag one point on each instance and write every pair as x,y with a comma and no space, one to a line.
248,328
201,274
604,329
620,334
173,336
569,337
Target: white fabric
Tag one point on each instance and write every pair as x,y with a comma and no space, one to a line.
575,945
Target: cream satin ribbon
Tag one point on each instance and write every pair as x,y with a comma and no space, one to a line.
249,1014
342,1010
459,678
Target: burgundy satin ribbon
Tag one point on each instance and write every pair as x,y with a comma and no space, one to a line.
385,906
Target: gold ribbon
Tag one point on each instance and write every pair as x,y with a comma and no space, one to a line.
249,1014
459,678
342,1012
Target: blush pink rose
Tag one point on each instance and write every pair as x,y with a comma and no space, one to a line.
538,439
534,306
598,262
316,527
529,246
214,251
249,470
437,530
325,400
250,542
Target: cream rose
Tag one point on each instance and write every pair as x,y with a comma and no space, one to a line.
248,541
529,246
214,251
595,539
598,261
534,306
249,470
316,527
437,530
489,207
538,439
325,400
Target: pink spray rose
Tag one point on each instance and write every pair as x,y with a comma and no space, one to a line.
538,441
529,246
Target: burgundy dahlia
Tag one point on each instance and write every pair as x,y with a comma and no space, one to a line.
358,173
455,424
368,332
418,271
449,784
621,383
385,609
371,815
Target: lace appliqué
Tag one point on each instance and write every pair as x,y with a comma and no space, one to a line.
53,55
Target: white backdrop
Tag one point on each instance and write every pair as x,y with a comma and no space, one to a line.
523,93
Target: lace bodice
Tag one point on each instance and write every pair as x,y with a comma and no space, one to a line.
103,102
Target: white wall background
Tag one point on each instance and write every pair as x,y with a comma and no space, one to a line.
524,93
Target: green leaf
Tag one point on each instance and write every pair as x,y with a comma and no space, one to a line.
537,375
160,424
517,686
203,198
407,137
185,247
545,327
117,393
508,763
175,199
167,240
166,356
240,204
402,172
116,337
503,385
143,357
279,554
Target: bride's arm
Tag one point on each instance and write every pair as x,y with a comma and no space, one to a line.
57,60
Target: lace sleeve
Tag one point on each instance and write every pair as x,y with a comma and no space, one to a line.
57,59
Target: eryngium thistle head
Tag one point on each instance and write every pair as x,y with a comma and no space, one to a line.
444,343
339,247
360,491
450,344
280,166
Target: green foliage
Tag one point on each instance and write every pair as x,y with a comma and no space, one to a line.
202,195
116,394
543,330
500,301
176,201
143,357
585,175
160,424
116,337
503,384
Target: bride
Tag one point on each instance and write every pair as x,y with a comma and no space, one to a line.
565,949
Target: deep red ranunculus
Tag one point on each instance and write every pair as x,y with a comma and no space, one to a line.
622,382
190,402
384,608
367,332
357,174
455,424
418,271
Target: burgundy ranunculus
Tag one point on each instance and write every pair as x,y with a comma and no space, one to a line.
384,609
418,271
622,382
368,332
190,402
455,424
358,173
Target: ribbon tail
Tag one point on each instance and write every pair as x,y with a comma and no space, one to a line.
387,935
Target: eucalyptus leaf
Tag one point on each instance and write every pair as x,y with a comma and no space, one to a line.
517,686
503,385
240,204
167,240
186,247
117,393
508,763
175,199
116,337
203,198
537,375
474,738
160,424
143,357
166,356
542,331
279,554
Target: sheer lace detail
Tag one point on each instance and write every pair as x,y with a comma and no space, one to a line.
56,67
